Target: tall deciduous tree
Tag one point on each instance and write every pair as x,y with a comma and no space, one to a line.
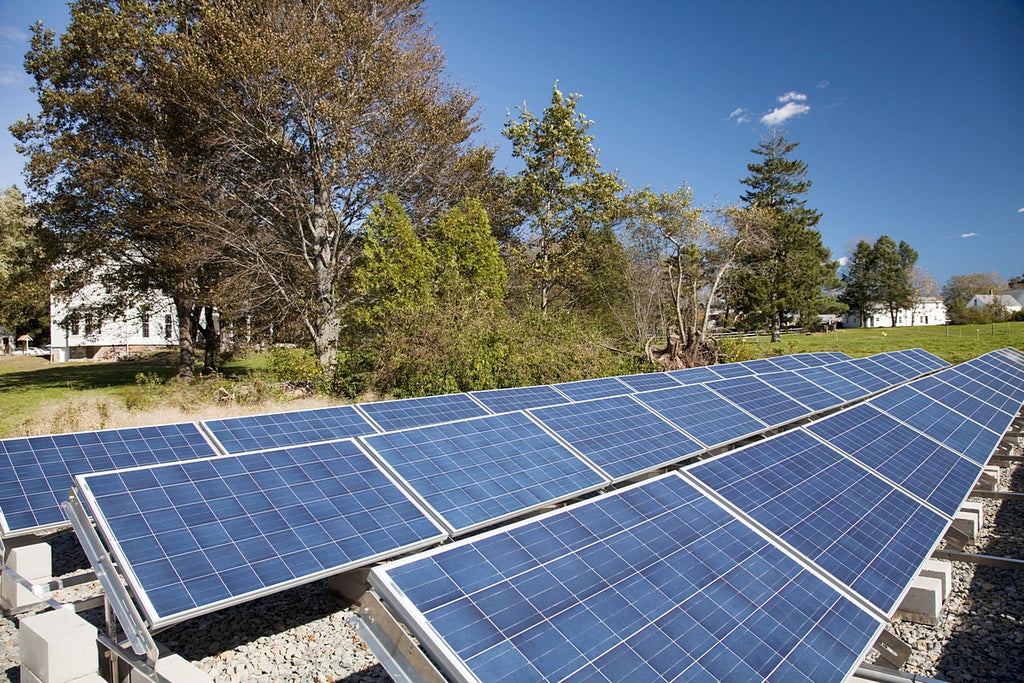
566,200
789,274
323,107
959,289
27,252
116,163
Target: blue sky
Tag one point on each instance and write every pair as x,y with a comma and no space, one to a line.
910,114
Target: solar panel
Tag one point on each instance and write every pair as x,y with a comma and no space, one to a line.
830,357
727,370
648,381
891,368
760,400
519,398
981,374
1013,383
586,389
481,471
859,528
930,360
963,378
418,412
903,455
618,434
827,379
927,415
651,583
702,414
277,430
195,536
914,360
790,362
857,374
964,403
760,366
36,472
806,392
698,375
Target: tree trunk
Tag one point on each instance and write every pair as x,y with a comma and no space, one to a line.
776,327
186,337
211,340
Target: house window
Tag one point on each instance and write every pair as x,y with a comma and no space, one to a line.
75,329
93,324
145,325
167,326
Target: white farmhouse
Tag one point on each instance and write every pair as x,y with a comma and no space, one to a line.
1004,301
85,326
927,311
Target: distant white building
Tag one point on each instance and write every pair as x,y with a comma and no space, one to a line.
87,327
927,311
1004,301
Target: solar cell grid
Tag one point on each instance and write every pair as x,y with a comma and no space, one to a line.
806,392
827,379
964,403
652,583
36,472
648,381
981,375
932,361
857,374
702,414
698,375
857,527
276,430
593,388
519,398
618,434
761,366
481,471
916,463
418,412
760,400
1011,377
894,364
963,379
727,370
789,362
941,423
194,536
879,370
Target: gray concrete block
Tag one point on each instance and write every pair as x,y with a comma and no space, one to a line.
175,669
58,646
923,602
941,570
989,480
33,563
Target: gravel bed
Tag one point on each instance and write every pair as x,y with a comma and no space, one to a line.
303,634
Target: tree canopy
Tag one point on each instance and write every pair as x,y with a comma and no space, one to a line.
881,275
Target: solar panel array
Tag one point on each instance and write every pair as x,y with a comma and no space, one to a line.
671,579
465,473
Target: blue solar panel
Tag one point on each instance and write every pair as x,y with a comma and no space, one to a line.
649,381
907,457
930,360
927,415
419,412
277,430
618,434
586,389
728,370
485,470
760,366
698,375
964,403
1013,383
36,472
963,378
760,400
889,367
194,536
858,375
652,583
916,362
790,362
702,414
519,398
829,357
984,374
806,392
862,530
827,379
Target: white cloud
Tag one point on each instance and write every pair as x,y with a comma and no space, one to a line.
969,234
784,113
740,115
793,96
9,76
12,35
843,260
1020,210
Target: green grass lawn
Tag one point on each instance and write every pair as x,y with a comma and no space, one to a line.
955,343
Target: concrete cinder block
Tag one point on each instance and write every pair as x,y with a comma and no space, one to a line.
976,508
349,586
175,669
989,479
33,563
923,601
941,570
967,524
58,646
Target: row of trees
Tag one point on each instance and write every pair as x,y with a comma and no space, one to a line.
308,165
